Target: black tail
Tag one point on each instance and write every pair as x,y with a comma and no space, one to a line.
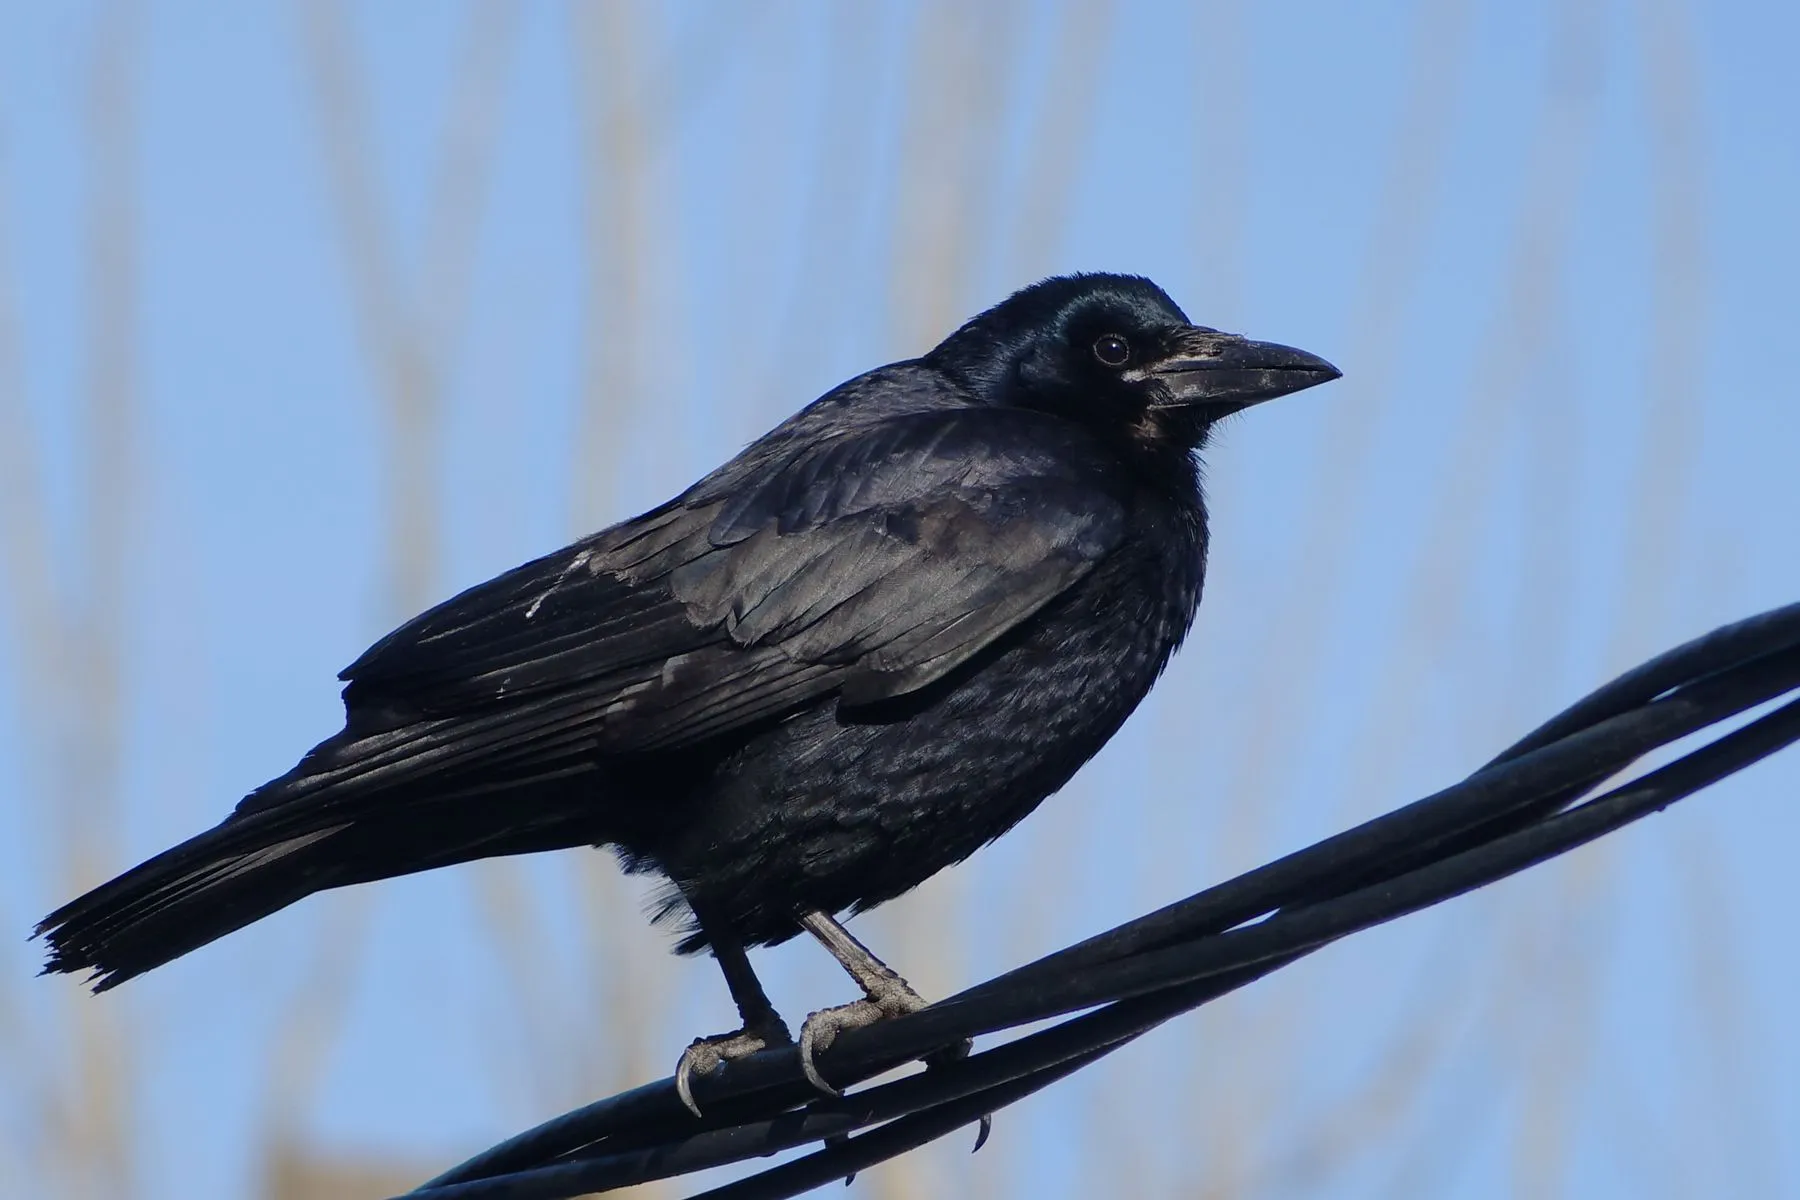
183,898
266,856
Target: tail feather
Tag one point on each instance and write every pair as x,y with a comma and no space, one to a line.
182,899
259,861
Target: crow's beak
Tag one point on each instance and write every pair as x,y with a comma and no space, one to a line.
1218,370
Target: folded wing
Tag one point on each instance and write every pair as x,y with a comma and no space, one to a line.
867,565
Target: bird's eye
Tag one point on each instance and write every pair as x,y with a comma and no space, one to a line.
1112,349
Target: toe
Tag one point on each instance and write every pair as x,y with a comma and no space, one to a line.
896,998
816,1035
811,1070
705,1055
821,1029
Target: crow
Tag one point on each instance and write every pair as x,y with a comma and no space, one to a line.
860,650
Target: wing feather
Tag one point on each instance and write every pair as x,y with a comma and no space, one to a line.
866,565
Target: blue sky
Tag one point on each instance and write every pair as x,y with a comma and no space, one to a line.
1551,245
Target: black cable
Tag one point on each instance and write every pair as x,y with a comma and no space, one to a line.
1511,814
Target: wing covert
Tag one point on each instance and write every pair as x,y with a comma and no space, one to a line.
869,565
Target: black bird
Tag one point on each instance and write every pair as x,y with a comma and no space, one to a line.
851,656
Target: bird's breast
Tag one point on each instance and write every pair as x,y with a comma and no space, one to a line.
838,808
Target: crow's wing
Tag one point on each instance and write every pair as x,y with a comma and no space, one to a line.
868,564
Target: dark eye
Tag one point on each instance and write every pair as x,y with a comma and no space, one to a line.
1112,349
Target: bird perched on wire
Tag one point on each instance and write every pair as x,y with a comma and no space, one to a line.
848,658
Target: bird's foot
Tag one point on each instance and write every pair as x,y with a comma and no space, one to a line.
822,1028
705,1055
888,996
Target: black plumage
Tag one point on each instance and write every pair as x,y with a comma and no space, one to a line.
866,646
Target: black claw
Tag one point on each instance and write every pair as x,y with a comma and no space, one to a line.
831,1143
981,1134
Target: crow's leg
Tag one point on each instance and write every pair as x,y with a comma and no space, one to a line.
885,995
762,1028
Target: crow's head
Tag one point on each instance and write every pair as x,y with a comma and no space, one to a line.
1115,353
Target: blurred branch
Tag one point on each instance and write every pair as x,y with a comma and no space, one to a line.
616,244
26,571
813,314
1324,1148
1291,640
409,342
70,688
408,347
110,419
70,678
1060,133
1672,433
1116,1149
1432,1156
718,38
503,906
958,88
406,383
635,986
459,196
1437,590
1661,474
1741,1103
93,734
1555,1062
1545,578
313,1018
1654,1152
1222,159
30,578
